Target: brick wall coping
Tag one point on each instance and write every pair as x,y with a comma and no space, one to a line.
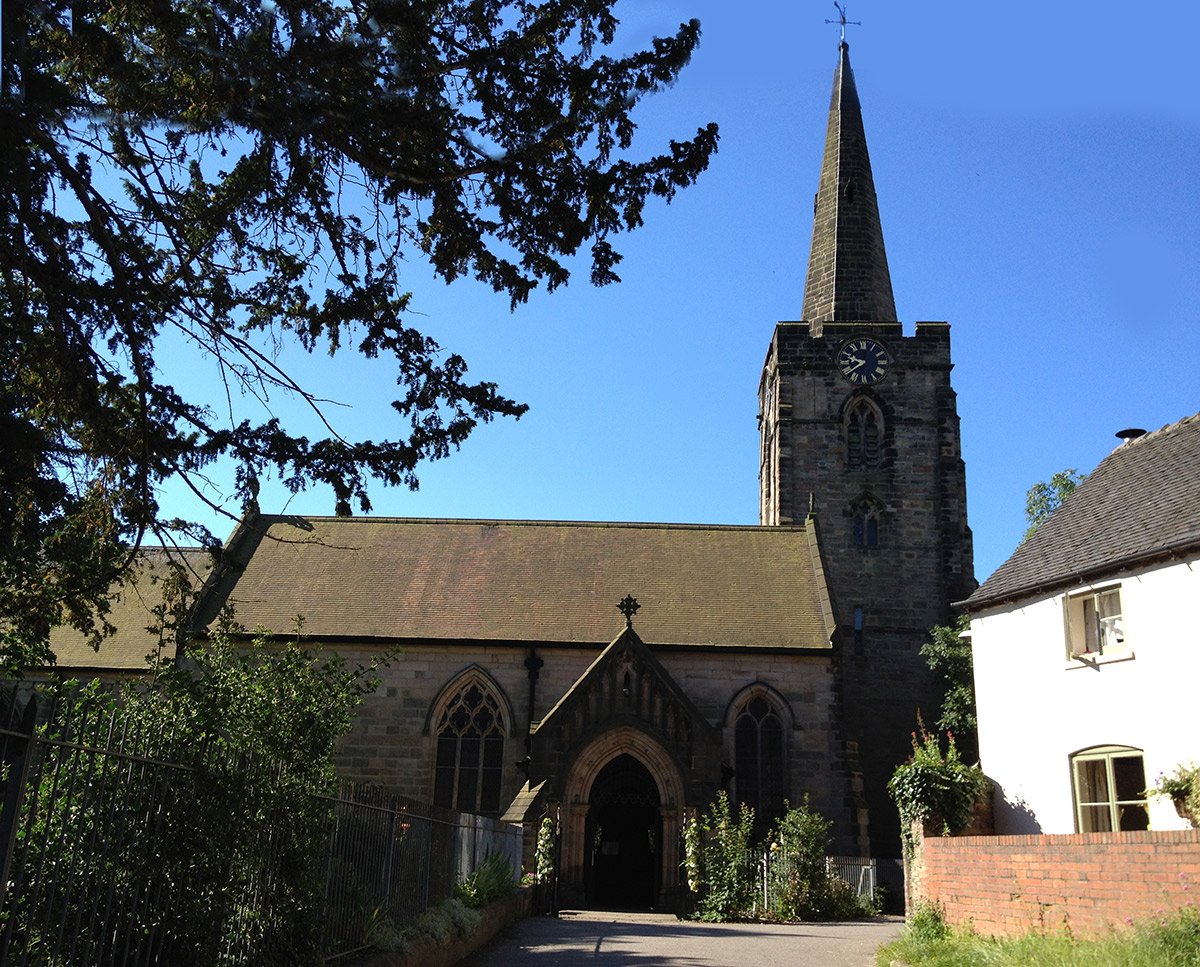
1173,836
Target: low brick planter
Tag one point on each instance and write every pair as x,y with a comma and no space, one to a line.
493,918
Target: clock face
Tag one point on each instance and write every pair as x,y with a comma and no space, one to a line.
863,361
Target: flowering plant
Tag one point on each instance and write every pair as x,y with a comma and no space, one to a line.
936,787
1183,788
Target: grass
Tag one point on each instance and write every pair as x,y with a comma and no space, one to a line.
928,942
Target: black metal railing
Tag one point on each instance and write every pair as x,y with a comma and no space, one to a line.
101,864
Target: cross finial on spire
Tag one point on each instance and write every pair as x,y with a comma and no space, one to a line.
628,607
842,21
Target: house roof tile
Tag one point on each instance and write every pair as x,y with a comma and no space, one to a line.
1142,502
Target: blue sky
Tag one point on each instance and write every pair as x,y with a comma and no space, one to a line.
1036,168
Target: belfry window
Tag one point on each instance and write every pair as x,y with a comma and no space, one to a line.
758,758
864,428
866,524
470,750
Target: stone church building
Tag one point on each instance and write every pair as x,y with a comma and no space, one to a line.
772,661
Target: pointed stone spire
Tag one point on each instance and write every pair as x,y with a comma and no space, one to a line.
848,279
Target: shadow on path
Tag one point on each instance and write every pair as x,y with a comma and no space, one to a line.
645,939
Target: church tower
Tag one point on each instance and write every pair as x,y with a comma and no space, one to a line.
860,435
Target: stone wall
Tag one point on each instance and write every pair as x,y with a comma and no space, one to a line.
391,743
895,591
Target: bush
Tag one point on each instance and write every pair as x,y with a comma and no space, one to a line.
802,886
726,861
937,788
544,858
201,808
491,880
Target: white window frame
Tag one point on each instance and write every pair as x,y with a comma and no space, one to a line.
1094,628
1105,754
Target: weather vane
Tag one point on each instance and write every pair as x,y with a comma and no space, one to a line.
842,20
629,608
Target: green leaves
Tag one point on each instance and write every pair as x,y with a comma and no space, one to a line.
219,181
1045,497
948,653
936,787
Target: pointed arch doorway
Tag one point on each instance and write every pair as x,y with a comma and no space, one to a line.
623,838
627,786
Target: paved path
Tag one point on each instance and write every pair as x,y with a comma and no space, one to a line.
598,939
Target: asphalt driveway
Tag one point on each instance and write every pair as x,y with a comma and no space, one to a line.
649,939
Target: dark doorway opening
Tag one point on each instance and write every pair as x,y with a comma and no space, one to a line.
624,838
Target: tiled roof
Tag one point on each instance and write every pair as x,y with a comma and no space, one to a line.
389,578
133,601
1142,502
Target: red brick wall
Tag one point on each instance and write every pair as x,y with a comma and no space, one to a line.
1010,885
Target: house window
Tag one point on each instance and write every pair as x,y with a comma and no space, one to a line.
470,751
864,425
758,758
866,524
1108,782
1095,625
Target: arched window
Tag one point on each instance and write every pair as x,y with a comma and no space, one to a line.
864,431
865,514
758,758
470,732
1109,782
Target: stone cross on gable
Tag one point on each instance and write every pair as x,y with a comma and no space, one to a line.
842,21
628,607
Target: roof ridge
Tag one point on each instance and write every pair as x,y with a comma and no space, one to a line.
500,521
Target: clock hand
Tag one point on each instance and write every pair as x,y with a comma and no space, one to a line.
857,362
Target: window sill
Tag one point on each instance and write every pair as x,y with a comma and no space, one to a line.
1094,661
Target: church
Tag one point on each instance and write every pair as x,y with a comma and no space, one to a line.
616,676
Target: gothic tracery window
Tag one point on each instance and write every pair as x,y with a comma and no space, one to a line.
758,758
470,750
864,429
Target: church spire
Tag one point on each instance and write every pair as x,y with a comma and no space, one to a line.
848,279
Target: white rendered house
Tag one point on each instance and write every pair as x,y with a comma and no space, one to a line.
1087,647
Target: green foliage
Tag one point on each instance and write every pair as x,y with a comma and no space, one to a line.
927,923
726,861
1170,941
544,855
491,880
208,185
693,852
935,787
948,653
1183,788
435,927
802,887
1045,497
221,852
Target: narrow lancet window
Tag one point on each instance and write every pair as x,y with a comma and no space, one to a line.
863,432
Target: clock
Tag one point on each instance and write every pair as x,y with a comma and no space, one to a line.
863,361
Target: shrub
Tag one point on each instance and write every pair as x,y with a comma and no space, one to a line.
803,887
491,880
544,857
201,807
936,787
726,861
927,923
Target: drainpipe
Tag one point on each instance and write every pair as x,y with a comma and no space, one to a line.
533,665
